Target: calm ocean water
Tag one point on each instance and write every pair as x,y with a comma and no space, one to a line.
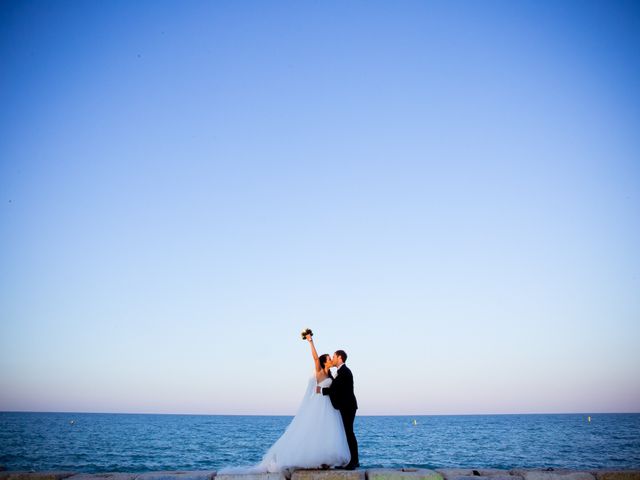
138,442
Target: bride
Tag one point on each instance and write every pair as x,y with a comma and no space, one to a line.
315,437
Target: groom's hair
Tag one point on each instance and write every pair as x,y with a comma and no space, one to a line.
342,354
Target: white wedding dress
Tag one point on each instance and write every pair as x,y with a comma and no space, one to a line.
315,437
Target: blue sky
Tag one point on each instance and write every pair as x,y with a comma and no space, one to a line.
447,190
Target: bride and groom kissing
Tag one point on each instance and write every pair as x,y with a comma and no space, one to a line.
321,433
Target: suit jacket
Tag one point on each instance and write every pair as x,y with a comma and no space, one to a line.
341,390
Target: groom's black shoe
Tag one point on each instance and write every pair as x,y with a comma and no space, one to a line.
351,466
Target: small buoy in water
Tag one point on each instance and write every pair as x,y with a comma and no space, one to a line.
72,422
415,422
589,419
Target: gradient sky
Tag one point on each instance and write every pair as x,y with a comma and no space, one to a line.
449,191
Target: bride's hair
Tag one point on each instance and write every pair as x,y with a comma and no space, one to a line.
323,360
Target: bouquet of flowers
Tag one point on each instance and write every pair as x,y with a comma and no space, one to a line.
305,332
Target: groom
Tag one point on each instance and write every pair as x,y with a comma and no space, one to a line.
342,398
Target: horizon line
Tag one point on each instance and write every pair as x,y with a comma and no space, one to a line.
292,415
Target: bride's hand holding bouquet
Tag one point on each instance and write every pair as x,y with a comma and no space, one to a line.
307,334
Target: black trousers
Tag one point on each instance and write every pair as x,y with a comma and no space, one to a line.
348,416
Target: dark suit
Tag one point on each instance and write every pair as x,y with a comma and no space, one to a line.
343,399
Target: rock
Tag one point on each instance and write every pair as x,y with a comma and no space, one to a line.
51,475
488,477
177,475
560,474
617,474
494,473
104,476
251,476
402,474
328,475
450,473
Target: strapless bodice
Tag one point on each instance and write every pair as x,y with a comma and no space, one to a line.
326,382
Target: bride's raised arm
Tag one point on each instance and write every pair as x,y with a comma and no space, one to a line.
314,354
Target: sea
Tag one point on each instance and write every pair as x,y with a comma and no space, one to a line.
105,442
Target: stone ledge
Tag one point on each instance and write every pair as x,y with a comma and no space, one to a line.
402,474
328,475
361,474
617,474
104,476
478,474
252,476
488,477
177,475
561,474
47,475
